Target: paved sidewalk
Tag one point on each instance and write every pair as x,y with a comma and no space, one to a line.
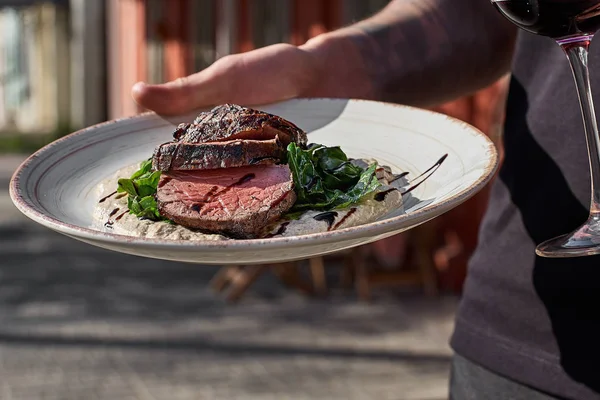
81,323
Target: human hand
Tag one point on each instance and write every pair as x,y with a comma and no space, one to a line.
265,75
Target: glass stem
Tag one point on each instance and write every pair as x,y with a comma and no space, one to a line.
577,53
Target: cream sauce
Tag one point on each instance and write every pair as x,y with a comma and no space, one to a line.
111,215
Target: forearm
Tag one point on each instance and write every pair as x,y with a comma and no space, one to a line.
419,52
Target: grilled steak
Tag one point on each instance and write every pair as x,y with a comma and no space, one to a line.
228,136
230,121
239,202
236,153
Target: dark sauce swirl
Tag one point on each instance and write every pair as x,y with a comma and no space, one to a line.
380,196
426,174
327,216
344,218
399,176
280,231
102,200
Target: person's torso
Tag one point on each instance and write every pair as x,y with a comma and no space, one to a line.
537,320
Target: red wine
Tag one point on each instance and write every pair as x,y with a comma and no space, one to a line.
555,18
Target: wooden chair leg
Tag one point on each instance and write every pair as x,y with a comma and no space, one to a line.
424,258
317,270
244,280
347,276
224,277
362,277
289,275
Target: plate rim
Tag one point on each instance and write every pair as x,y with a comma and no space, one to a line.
374,228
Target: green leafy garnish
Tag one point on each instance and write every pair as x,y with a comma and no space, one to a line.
141,188
325,179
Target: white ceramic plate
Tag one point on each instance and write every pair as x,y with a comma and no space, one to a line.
56,186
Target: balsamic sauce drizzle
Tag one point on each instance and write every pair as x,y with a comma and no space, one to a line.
121,215
434,166
399,176
380,196
328,216
280,231
426,174
110,222
102,200
344,218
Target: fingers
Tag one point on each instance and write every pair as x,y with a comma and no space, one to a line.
179,96
261,76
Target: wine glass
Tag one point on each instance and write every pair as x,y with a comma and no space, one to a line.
572,24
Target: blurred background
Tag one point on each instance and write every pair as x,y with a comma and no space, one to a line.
78,321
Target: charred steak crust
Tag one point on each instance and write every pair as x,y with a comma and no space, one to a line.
174,156
221,173
231,121
238,202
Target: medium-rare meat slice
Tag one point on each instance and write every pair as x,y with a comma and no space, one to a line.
230,121
175,156
239,202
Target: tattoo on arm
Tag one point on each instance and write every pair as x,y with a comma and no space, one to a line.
434,50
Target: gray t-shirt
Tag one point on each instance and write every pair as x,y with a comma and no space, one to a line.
532,319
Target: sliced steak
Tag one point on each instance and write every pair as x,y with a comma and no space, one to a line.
239,202
230,121
175,156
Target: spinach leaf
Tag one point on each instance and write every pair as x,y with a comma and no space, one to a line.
324,178
126,185
141,188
